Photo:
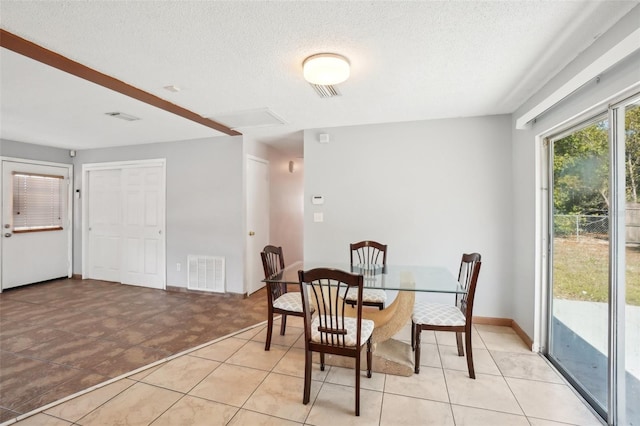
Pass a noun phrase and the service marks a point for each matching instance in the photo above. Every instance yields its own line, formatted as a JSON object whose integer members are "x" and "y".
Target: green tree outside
{"x": 581, "y": 167}
{"x": 581, "y": 187}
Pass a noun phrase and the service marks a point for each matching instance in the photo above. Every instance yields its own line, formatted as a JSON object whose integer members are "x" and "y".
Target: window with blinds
{"x": 37, "y": 202}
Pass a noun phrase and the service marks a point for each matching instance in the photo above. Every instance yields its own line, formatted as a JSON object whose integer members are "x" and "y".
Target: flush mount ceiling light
{"x": 326, "y": 69}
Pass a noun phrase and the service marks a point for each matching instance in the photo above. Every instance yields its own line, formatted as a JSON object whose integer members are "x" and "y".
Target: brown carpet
{"x": 63, "y": 336}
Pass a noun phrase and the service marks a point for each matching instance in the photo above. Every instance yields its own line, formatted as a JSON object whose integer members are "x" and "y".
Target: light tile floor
{"x": 233, "y": 381}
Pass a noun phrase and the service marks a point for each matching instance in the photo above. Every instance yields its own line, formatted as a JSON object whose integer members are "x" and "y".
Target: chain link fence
{"x": 577, "y": 225}
{"x": 597, "y": 226}
{"x": 632, "y": 221}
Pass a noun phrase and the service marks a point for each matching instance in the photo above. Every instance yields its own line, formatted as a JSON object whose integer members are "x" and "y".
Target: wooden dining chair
{"x": 368, "y": 254}
{"x": 455, "y": 318}
{"x": 332, "y": 330}
{"x": 279, "y": 301}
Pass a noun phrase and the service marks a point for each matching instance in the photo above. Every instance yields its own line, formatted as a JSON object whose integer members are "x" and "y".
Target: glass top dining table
{"x": 391, "y": 277}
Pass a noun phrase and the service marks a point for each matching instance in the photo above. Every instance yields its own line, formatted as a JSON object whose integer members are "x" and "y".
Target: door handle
{"x": 251, "y": 233}
{"x": 8, "y": 234}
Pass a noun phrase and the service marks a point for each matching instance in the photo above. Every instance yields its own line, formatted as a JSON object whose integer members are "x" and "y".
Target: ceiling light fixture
{"x": 326, "y": 69}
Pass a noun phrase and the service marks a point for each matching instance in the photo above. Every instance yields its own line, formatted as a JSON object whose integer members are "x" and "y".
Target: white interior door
{"x": 105, "y": 228}
{"x": 125, "y": 221}
{"x": 257, "y": 220}
{"x": 142, "y": 227}
{"x": 42, "y": 252}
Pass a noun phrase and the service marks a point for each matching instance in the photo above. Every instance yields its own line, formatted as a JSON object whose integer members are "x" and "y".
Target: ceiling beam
{"x": 31, "y": 50}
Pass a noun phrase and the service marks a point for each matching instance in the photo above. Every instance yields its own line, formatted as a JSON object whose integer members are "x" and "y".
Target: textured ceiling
{"x": 410, "y": 61}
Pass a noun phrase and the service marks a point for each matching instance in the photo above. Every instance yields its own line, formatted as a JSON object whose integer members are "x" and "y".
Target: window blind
{"x": 37, "y": 202}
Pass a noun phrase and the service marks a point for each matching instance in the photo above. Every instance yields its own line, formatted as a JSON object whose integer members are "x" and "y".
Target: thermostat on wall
{"x": 317, "y": 199}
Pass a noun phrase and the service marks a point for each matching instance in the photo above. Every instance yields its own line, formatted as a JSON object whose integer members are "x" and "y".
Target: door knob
{"x": 8, "y": 234}
{"x": 251, "y": 233}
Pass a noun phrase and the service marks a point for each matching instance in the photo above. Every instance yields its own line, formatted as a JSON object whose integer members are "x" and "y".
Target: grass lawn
{"x": 580, "y": 270}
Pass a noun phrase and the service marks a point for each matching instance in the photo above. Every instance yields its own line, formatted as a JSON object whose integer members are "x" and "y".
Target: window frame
{"x": 59, "y": 207}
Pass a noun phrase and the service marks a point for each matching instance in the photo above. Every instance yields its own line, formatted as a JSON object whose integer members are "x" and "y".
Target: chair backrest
{"x": 320, "y": 288}
{"x": 272, "y": 263}
{"x": 272, "y": 260}
{"x": 468, "y": 278}
{"x": 368, "y": 253}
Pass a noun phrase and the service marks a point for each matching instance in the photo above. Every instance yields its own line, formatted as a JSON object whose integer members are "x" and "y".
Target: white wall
{"x": 431, "y": 190}
{"x": 29, "y": 151}
{"x": 287, "y": 210}
{"x": 205, "y": 202}
{"x": 526, "y": 170}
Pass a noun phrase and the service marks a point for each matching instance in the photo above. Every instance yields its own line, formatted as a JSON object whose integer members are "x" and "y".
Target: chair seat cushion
{"x": 289, "y": 302}
{"x": 350, "y": 324}
{"x": 437, "y": 314}
{"x": 368, "y": 295}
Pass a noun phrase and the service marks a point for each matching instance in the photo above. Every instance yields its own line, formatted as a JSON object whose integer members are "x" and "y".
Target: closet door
{"x": 125, "y": 225}
{"x": 142, "y": 227}
{"x": 105, "y": 228}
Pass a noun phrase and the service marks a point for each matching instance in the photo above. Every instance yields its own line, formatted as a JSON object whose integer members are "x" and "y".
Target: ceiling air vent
{"x": 258, "y": 117}
{"x": 122, "y": 116}
{"x": 325, "y": 91}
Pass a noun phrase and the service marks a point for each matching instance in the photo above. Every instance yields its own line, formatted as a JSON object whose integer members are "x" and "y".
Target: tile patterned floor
{"x": 63, "y": 336}
{"x": 233, "y": 381}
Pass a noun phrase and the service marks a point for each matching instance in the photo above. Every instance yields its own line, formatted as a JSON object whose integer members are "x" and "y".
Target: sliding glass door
{"x": 580, "y": 260}
{"x": 594, "y": 263}
{"x": 631, "y": 371}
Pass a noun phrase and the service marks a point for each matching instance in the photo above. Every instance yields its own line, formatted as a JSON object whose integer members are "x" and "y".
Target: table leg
{"x": 390, "y": 356}
{"x": 391, "y": 319}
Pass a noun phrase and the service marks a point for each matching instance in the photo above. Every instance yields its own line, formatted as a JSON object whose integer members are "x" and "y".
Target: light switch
{"x": 318, "y": 217}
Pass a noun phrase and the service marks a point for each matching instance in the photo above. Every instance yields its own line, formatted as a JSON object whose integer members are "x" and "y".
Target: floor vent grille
{"x": 206, "y": 273}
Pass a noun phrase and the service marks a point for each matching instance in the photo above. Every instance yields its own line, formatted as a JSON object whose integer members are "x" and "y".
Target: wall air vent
{"x": 325, "y": 91}
{"x": 122, "y": 116}
{"x": 206, "y": 273}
